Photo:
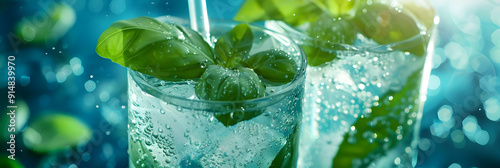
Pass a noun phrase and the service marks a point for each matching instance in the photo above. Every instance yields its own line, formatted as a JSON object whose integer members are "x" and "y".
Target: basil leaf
{"x": 54, "y": 132}
{"x": 274, "y": 66}
{"x": 166, "y": 51}
{"x": 387, "y": 25}
{"x": 288, "y": 154}
{"x": 324, "y": 32}
{"x": 222, "y": 84}
{"x": 384, "y": 121}
{"x": 233, "y": 46}
{"x": 60, "y": 17}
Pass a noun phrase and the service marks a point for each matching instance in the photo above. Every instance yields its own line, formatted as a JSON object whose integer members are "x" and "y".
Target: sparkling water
{"x": 170, "y": 127}
{"x": 339, "y": 93}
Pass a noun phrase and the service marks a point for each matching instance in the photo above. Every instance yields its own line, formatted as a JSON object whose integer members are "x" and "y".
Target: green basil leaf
{"x": 384, "y": 121}
{"x": 21, "y": 114}
{"x": 6, "y": 162}
{"x": 54, "y": 132}
{"x": 324, "y": 32}
{"x": 234, "y": 45}
{"x": 274, "y": 66}
{"x": 387, "y": 25}
{"x": 166, "y": 51}
{"x": 222, "y": 84}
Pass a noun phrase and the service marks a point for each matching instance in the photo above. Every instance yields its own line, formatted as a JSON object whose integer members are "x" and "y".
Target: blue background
{"x": 460, "y": 125}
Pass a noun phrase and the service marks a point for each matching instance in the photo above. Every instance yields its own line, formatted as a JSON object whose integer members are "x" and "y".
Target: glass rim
{"x": 297, "y": 82}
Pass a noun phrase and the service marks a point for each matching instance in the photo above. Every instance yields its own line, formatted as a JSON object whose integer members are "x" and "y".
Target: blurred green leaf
{"x": 22, "y": 113}
{"x": 221, "y": 84}
{"x": 325, "y": 32}
{"x": 54, "y": 132}
{"x": 294, "y": 12}
{"x": 9, "y": 163}
{"x": 137, "y": 152}
{"x": 233, "y": 46}
{"x": 383, "y": 121}
{"x": 60, "y": 18}
{"x": 274, "y": 66}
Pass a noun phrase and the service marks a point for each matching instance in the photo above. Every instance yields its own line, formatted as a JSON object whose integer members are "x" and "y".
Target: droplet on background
{"x": 117, "y": 6}
{"x": 470, "y": 124}
{"x": 76, "y": 66}
{"x": 445, "y": 113}
{"x": 61, "y": 77}
{"x": 457, "y": 136}
{"x": 495, "y": 37}
{"x": 104, "y": 96}
{"x": 90, "y": 85}
{"x": 482, "y": 137}
{"x": 494, "y": 54}
{"x": 455, "y": 165}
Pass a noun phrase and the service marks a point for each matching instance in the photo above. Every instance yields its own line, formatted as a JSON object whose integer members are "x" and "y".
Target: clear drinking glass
{"x": 363, "y": 109}
{"x": 170, "y": 127}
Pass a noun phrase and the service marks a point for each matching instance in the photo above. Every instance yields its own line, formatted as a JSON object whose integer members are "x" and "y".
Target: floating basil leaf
{"x": 384, "y": 121}
{"x": 233, "y": 46}
{"x": 287, "y": 154}
{"x": 273, "y": 65}
{"x": 222, "y": 84}
{"x": 325, "y": 32}
{"x": 166, "y": 51}
{"x": 387, "y": 25}
{"x": 55, "y": 132}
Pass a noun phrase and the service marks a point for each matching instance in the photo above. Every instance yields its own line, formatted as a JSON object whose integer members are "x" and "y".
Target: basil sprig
{"x": 171, "y": 52}
{"x": 166, "y": 51}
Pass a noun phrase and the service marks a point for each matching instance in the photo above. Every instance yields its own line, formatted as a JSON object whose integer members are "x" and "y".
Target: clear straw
{"x": 199, "y": 18}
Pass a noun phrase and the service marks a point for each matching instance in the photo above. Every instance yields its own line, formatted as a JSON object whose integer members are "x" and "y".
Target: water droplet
{"x": 162, "y": 111}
